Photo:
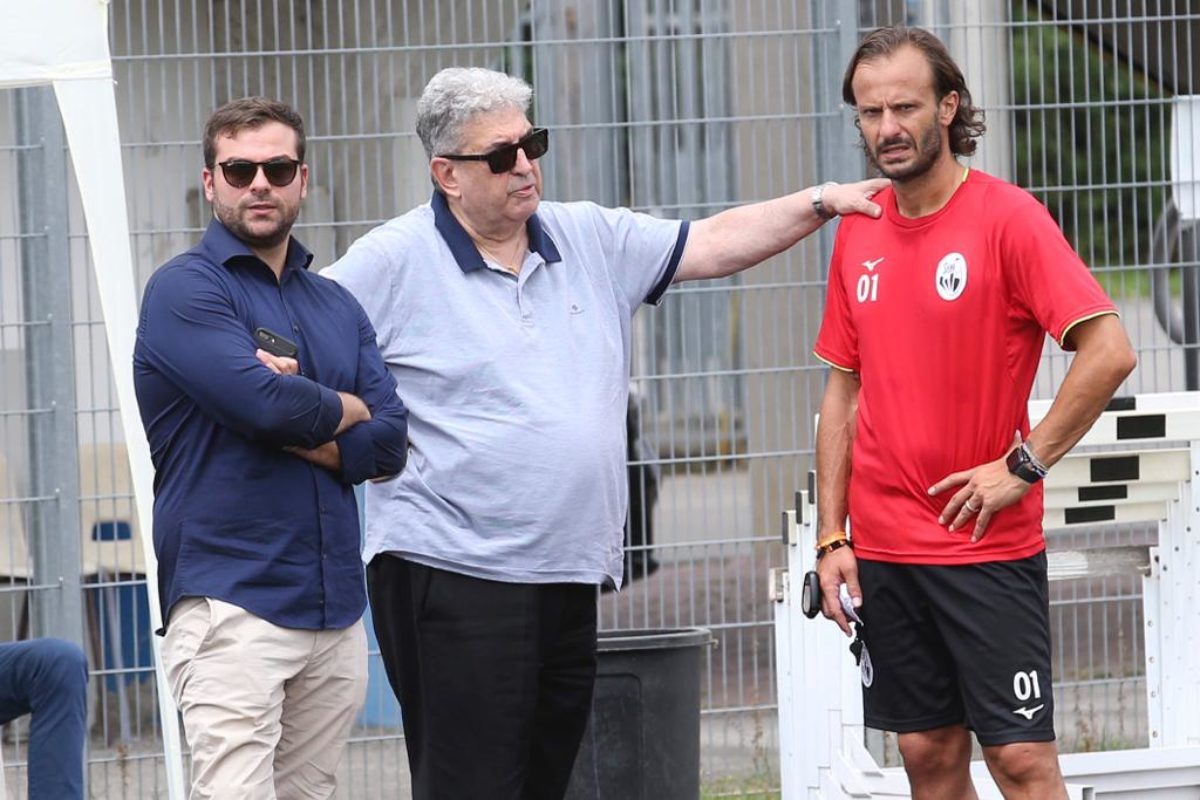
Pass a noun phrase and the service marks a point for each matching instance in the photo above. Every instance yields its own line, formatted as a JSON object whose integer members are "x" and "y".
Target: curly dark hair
{"x": 249, "y": 113}
{"x": 968, "y": 124}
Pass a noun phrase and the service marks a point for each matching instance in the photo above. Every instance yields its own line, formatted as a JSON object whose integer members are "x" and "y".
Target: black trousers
{"x": 494, "y": 679}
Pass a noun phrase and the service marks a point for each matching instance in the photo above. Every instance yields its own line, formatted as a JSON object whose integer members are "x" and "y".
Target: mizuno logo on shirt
{"x": 1028, "y": 713}
{"x": 870, "y": 265}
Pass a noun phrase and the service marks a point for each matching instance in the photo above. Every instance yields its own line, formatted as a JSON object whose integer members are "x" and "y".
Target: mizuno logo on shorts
{"x": 1028, "y": 713}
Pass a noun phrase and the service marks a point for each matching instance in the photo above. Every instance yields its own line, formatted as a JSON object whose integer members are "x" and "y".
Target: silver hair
{"x": 457, "y": 94}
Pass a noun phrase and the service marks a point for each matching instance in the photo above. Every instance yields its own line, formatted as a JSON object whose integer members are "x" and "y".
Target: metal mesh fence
{"x": 677, "y": 107}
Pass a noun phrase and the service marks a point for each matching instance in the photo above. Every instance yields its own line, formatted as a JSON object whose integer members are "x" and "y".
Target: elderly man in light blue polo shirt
{"x": 507, "y": 324}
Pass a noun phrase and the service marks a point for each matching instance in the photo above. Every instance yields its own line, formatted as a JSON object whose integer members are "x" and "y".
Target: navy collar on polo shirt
{"x": 464, "y": 249}
{"x": 224, "y": 247}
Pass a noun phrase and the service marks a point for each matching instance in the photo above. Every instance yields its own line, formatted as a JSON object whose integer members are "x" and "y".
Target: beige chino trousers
{"x": 266, "y": 709}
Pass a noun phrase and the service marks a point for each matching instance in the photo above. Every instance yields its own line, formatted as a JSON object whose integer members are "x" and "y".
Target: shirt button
{"x": 296, "y": 328}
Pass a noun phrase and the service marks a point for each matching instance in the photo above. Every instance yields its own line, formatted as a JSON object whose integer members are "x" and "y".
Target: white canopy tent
{"x": 64, "y": 44}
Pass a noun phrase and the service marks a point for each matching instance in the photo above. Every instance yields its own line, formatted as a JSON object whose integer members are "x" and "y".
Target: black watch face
{"x": 1018, "y": 464}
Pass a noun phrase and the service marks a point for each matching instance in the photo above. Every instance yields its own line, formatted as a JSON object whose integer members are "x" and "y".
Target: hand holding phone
{"x": 810, "y": 598}
{"x": 276, "y": 344}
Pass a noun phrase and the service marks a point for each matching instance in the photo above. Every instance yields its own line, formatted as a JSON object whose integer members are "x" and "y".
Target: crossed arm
{"x": 354, "y": 411}
{"x": 191, "y": 334}
{"x": 374, "y": 426}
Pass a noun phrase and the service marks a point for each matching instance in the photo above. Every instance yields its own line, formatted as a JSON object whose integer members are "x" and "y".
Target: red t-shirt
{"x": 943, "y": 318}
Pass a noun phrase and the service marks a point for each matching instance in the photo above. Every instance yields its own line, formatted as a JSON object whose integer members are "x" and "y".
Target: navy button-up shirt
{"x": 236, "y": 516}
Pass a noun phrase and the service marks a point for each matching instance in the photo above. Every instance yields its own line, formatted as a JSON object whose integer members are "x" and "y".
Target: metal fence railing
{"x": 678, "y": 107}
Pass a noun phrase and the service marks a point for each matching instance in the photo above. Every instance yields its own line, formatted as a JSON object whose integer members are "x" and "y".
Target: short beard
{"x": 929, "y": 148}
{"x": 230, "y": 218}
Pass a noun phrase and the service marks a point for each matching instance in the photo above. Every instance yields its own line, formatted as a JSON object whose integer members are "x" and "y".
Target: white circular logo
{"x": 868, "y": 669}
{"x": 951, "y": 276}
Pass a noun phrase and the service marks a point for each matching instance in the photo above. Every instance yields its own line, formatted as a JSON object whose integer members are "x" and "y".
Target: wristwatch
{"x": 818, "y": 203}
{"x": 1022, "y": 463}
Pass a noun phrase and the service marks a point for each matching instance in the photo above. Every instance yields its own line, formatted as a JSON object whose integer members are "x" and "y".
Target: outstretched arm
{"x": 741, "y": 237}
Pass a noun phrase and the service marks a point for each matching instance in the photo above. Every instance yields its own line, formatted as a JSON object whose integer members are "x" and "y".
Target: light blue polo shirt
{"x": 516, "y": 387}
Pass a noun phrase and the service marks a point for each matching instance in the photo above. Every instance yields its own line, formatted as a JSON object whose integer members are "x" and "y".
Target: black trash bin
{"x": 643, "y": 740}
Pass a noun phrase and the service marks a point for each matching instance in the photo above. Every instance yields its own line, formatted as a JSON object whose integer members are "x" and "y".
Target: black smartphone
{"x": 810, "y": 595}
{"x": 275, "y": 344}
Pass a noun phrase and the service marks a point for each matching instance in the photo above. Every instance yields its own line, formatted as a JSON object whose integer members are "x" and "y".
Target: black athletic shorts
{"x": 964, "y": 644}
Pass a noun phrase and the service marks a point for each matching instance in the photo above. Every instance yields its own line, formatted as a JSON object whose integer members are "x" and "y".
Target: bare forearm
{"x": 1103, "y": 359}
{"x": 327, "y": 455}
{"x": 741, "y": 237}
{"x": 354, "y": 411}
{"x": 835, "y": 440}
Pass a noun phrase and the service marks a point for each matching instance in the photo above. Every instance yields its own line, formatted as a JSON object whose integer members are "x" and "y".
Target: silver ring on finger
{"x": 967, "y": 505}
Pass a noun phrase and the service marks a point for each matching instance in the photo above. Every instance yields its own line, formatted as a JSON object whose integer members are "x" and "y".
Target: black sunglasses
{"x": 504, "y": 158}
{"x": 240, "y": 173}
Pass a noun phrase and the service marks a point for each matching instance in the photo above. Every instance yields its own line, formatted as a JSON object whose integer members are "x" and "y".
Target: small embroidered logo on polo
{"x": 576, "y": 308}
{"x": 951, "y": 276}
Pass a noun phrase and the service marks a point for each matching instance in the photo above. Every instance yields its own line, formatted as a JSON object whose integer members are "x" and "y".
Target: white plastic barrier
{"x": 1122, "y": 472}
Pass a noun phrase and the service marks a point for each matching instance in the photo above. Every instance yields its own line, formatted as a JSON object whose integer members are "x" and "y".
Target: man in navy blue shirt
{"x": 256, "y": 447}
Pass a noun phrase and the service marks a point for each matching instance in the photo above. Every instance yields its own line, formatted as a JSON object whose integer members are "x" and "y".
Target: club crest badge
{"x": 951, "y": 276}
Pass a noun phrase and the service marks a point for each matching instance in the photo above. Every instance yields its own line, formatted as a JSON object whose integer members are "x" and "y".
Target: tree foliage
{"x": 1091, "y": 140}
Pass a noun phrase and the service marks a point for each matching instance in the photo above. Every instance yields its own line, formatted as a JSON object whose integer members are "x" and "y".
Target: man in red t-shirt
{"x": 934, "y": 324}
